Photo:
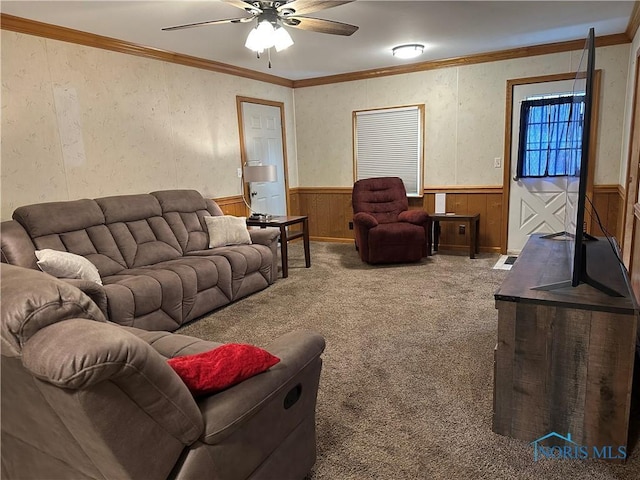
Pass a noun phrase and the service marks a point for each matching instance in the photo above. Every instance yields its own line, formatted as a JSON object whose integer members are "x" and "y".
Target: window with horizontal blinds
{"x": 388, "y": 143}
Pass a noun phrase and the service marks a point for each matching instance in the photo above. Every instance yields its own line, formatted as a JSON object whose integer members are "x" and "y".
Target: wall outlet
{"x": 497, "y": 162}
{"x": 239, "y": 173}
{"x": 350, "y": 225}
{"x": 461, "y": 229}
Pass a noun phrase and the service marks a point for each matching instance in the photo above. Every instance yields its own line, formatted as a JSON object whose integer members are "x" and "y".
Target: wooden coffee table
{"x": 285, "y": 237}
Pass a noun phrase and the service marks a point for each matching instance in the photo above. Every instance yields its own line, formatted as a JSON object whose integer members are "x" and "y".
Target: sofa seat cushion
{"x": 145, "y": 298}
{"x": 250, "y": 266}
{"x": 396, "y": 242}
{"x": 206, "y": 281}
{"x": 396, "y": 233}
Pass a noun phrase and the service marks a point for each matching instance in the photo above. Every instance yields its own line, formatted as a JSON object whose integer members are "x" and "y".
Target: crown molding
{"x": 54, "y": 32}
{"x": 64, "y": 34}
{"x": 604, "y": 41}
{"x": 634, "y": 21}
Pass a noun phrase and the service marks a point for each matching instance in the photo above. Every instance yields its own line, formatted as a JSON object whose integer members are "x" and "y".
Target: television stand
{"x": 564, "y": 358}
{"x": 601, "y": 258}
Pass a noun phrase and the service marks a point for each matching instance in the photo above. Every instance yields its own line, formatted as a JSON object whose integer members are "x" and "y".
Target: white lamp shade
{"x": 253, "y": 41}
{"x": 266, "y": 34}
{"x": 260, "y": 173}
{"x": 261, "y": 37}
{"x": 282, "y": 39}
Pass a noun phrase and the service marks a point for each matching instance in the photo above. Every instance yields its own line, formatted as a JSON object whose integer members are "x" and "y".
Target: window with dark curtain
{"x": 550, "y": 136}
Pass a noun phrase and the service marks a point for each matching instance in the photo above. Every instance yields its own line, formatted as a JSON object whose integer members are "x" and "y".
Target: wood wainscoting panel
{"x": 232, "y": 205}
{"x": 634, "y": 265}
{"x": 608, "y": 202}
{"x": 469, "y": 200}
{"x": 329, "y": 211}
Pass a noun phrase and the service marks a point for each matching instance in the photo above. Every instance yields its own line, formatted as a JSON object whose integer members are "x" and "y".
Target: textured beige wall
{"x": 626, "y": 142}
{"x": 84, "y": 122}
{"x": 464, "y": 118}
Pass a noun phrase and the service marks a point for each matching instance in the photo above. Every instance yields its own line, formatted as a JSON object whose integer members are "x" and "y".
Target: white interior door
{"x": 263, "y": 142}
{"x": 536, "y": 205}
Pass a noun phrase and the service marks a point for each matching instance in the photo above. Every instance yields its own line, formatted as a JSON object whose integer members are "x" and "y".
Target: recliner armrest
{"x": 418, "y": 217}
{"x": 78, "y": 354}
{"x": 365, "y": 220}
{"x": 94, "y": 291}
{"x": 226, "y": 411}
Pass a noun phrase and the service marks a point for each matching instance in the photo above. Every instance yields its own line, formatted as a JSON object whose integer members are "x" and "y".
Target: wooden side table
{"x": 285, "y": 237}
{"x": 473, "y": 222}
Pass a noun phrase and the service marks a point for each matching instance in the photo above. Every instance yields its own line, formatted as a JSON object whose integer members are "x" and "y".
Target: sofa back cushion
{"x": 142, "y": 235}
{"x": 184, "y": 211}
{"x": 73, "y": 226}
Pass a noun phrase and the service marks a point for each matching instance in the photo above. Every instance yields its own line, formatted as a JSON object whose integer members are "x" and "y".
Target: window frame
{"x": 524, "y": 128}
{"x": 384, "y": 170}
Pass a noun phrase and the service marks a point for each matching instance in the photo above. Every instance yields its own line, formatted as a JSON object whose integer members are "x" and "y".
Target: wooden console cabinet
{"x": 564, "y": 358}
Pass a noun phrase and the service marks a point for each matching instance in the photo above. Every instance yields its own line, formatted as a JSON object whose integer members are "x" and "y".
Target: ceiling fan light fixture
{"x": 411, "y": 50}
{"x": 282, "y": 39}
{"x": 261, "y": 37}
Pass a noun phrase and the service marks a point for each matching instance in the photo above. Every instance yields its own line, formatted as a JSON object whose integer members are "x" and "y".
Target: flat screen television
{"x": 579, "y": 130}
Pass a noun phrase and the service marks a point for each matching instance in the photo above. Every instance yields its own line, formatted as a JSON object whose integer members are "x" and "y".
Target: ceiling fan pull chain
{"x": 269, "y": 54}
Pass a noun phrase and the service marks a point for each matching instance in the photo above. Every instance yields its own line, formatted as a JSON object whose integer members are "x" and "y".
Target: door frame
{"x": 628, "y": 224}
{"x": 243, "y": 148}
{"x": 508, "y": 131}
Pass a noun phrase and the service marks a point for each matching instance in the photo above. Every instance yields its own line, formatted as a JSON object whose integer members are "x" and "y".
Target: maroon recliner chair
{"x": 386, "y": 230}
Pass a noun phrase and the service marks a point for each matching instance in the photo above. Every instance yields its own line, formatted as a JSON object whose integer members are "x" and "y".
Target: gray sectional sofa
{"x": 86, "y": 398}
{"x": 151, "y": 252}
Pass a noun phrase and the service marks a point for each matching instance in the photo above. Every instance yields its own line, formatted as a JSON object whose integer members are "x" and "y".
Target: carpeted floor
{"x": 407, "y": 384}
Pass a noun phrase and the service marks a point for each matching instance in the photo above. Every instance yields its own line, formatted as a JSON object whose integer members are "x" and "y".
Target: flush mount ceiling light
{"x": 411, "y": 50}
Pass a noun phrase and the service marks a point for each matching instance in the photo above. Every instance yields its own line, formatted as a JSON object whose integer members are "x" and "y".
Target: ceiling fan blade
{"x": 321, "y": 26}
{"x": 304, "y": 7}
{"x": 248, "y": 5}
{"x": 212, "y": 22}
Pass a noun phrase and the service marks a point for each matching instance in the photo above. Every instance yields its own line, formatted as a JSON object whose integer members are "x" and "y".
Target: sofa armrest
{"x": 94, "y": 291}
{"x": 16, "y": 246}
{"x": 269, "y": 237}
{"x": 265, "y": 236}
{"x": 33, "y": 300}
{"x": 365, "y": 220}
{"x": 417, "y": 217}
{"x": 227, "y": 411}
{"x": 77, "y": 354}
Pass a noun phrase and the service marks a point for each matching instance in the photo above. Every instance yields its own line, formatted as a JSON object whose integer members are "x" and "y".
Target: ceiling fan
{"x": 272, "y": 16}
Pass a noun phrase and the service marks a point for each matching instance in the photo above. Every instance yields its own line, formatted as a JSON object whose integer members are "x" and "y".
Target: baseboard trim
{"x": 465, "y": 248}
{"x": 332, "y": 239}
